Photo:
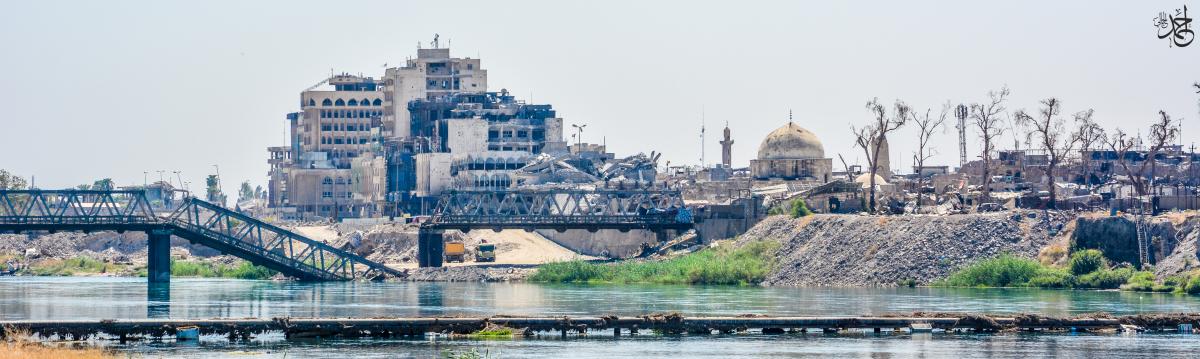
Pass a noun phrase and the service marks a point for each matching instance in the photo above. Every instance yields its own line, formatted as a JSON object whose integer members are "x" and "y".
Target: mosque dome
{"x": 791, "y": 142}
{"x": 865, "y": 180}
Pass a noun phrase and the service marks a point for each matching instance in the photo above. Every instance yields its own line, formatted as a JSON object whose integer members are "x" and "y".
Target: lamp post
{"x": 579, "y": 130}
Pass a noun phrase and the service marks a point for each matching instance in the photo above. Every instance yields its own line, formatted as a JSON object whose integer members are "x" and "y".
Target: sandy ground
{"x": 320, "y": 233}
{"x": 514, "y": 247}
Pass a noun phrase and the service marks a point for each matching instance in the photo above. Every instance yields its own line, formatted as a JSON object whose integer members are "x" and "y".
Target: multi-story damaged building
{"x": 385, "y": 147}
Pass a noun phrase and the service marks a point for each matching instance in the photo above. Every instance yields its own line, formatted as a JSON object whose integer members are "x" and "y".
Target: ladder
{"x": 1143, "y": 240}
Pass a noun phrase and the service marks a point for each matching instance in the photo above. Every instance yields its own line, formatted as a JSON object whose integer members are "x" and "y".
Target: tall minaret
{"x": 885, "y": 162}
{"x": 727, "y": 148}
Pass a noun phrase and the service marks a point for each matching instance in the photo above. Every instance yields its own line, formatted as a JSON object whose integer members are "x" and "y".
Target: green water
{"x": 123, "y": 298}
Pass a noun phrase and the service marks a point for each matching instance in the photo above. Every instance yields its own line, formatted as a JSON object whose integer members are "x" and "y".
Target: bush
{"x": 1087, "y": 261}
{"x": 1193, "y": 285}
{"x": 1140, "y": 282}
{"x": 1105, "y": 278}
{"x": 243, "y": 270}
{"x": 745, "y": 265}
{"x": 1003, "y": 271}
{"x": 799, "y": 208}
{"x": 72, "y": 266}
{"x": 1052, "y": 278}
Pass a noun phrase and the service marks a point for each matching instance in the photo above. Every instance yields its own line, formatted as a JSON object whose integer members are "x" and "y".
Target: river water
{"x": 127, "y": 298}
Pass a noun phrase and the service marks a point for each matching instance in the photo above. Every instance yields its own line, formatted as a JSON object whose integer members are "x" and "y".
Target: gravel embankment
{"x": 851, "y": 250}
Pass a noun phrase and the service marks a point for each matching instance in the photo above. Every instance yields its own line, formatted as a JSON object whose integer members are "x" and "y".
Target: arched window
{"x": 327, "y": 180}
{"x": 326, "y": 102}
{"x": 311, "y": 102}
{"x": 339, "y": 102}
{"x": 353, "y": 102}
{"x": 364, "y": 102}
{"x": 341, "y": 180}
{"x": 377, "y": 102}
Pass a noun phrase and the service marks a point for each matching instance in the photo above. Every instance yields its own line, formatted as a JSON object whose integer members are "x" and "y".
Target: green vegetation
{"x": 1087, "y": 269}
{"x": 73, "y": 266}
{"x": 9, "y": 180}
{"x": 1086, "y": 261}
{"x": 796, "y": 208}
{"x": 799, "y": 208}
{"x": 493, "y": 332}
{"x": 724, "y": 265}
{"x": 243, "y": 270}
{"x": 1004, "y": 271}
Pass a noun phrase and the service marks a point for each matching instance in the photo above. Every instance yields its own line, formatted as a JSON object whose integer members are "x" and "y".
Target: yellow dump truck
{"x": 487, "y": 253}
{"x": 455, "y": 252}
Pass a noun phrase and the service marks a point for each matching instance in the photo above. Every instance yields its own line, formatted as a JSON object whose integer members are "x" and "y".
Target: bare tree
{"x": 1050, "y": 132}
{"x": 1162, "y": 132}
{"x": 926, "y": 125}
{"x": 870, "y": 138}
{"x": 1120, "y": 144}
{"x": 987, "y": 120}
{"x": 1090, "y": 135}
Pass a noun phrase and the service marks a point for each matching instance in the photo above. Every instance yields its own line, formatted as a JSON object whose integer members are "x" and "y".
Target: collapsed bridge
{"x": 197, "y": 221}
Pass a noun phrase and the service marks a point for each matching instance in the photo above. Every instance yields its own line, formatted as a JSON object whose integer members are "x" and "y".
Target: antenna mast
{"x": 961, "y": 114}
{"x": 702, "y": 147}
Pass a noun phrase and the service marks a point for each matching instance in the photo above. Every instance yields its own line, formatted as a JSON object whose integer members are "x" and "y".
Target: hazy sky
{"x": 97, "y": 89}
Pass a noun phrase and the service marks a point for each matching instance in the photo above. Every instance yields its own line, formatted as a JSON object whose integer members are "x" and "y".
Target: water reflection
{"x": 117, "y": 298}
{"x": 158, "y": 300}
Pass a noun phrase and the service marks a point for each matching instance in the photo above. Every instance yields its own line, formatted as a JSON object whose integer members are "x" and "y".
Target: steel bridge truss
{"x": 561, "y": 209}
{"x": 276, "y": 248}
{"x": 197, "y": 221}
{"x": 70, "y": 210}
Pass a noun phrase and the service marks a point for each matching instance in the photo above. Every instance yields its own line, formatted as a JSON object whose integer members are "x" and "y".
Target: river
{"x": 127, "y": 298}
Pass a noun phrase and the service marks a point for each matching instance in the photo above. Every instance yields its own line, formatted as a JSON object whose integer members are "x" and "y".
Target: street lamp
{"x": 579, "y": 130}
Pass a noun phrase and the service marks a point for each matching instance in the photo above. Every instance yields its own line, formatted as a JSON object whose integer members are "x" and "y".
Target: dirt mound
{"x": 855, "y": 250}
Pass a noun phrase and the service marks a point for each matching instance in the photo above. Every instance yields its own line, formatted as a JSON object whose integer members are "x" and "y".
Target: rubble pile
{"x": 850, "y": 250}
{"x": 111, "y": 247}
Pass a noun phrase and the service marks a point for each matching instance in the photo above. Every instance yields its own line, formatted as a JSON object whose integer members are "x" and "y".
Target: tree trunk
{"x": 1053, "y": 203}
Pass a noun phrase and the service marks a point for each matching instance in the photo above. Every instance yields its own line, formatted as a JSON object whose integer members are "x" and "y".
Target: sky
{"x": 126, "y": 89}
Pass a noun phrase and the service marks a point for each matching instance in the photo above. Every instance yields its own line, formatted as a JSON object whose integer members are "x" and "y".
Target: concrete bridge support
{"x": 429, "y": 248}
{"x": 158, "y": 268}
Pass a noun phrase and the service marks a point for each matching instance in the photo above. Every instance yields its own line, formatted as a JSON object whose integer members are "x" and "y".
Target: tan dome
{"x": 865, "y": 180}
{"x": 791, "y": 142}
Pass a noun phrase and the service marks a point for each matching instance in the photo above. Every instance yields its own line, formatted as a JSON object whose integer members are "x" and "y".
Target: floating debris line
{"x": 668, "y": 324}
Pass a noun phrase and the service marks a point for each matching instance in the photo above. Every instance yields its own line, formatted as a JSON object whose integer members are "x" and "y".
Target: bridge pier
{"x": 158, "y": 267}
{"x": 429, "y": 248}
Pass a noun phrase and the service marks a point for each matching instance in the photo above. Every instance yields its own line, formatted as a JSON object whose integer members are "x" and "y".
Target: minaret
{"x": 884, "y": 160}
{"x": 727, "y": 148}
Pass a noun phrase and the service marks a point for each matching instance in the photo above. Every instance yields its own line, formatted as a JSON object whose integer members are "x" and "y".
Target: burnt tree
{"x": 987, "y": 121}
{"x": 1050, "y": 132}
{"x": 870, "y": 138}
{"x": 926, "y": 125}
